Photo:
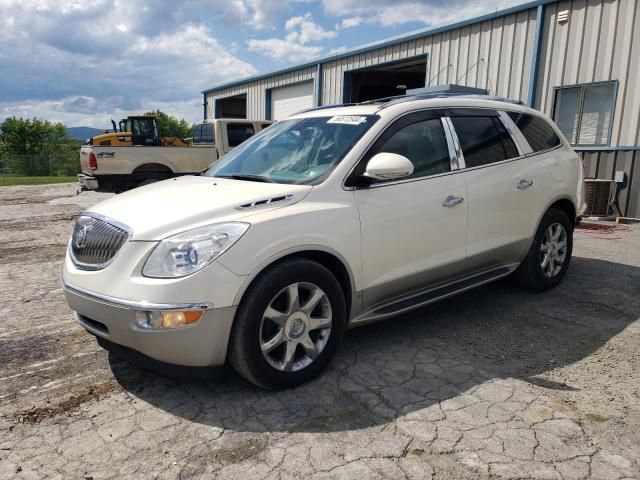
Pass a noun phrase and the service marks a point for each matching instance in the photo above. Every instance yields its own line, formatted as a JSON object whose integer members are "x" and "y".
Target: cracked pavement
{"x": 498, "y": 382}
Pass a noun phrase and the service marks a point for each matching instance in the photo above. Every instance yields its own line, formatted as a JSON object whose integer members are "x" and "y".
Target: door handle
{"x": 452, "y": 201}
{"x": 524, "y": 184}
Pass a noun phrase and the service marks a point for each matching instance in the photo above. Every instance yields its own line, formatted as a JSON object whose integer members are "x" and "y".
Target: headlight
{"x": 190, "y": 251}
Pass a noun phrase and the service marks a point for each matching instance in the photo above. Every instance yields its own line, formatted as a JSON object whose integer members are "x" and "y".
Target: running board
{"x": 417, "y": 300}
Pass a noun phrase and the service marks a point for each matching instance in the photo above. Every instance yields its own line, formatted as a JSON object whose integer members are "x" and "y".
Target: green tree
{"x": 37, "y": 147}
{"x": 170, "y": 126}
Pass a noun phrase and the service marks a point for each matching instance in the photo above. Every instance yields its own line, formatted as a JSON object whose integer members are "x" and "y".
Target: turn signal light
{"x": 170, "y": 319}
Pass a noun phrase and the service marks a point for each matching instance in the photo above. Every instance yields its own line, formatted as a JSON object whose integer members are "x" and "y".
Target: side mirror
{"x": 388, "y": 166}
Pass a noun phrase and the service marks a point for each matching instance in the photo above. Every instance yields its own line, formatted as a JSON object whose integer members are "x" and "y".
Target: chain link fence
{"x": 55, "y": 167}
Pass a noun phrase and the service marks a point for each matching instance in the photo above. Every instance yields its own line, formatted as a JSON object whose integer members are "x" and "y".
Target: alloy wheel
{"x": 295, "y": 327}
{"x": 553, "y": 250}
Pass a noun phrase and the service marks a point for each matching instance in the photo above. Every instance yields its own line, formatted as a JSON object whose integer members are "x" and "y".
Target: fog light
{"x": 170, "y": 319}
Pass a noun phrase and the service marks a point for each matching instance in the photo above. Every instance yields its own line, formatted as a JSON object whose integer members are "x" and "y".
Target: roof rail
{"x": 386, "y": 102}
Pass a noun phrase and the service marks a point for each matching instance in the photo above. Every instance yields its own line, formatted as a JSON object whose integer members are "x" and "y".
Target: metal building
{"x": 576, "y": 60}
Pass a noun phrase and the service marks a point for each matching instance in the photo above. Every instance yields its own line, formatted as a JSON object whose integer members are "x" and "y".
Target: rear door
{"x": 413, "y": 229}
{"x": 505, "y": 187}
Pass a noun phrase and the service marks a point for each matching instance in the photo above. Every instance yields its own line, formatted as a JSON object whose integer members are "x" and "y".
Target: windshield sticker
{"x": 347, "y": 119}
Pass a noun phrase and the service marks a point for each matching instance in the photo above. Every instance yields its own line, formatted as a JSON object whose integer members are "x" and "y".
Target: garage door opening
{"x": 386, "y": 80}
{"x": 232, "y": 107}
{"x": 290, "y": 99}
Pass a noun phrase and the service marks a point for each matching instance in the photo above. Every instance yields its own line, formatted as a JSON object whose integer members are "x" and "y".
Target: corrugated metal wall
{"x": 601, "y": 41}
{"x": 605, "y": 164}
{"x": 495, "y": 54}
{"x": 256, "y": 91}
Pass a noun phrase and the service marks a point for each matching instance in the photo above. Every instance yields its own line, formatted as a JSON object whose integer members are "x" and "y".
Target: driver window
{"x": 424, "y": 144}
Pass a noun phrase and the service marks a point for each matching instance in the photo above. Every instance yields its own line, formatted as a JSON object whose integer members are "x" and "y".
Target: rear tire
{"x": 288, "y": 326}
{"x": 148, "y": 181}
{"x": 549, "y": 257}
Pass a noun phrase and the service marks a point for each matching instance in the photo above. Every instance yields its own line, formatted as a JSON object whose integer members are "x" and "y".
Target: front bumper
{"x": 203, "y": 343}
{"x": 87, "y": 182}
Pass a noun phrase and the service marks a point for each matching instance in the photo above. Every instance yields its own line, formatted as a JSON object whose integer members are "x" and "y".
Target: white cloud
{"x": 301, "y": 31}
{"x": 282, "y": 50}
{"x": 58, "y": 61}
{"x": 338, "y": 50}
{"x": 429, "y": 12}
{"x": 93, "y": 112}
{"x": 349, "y": 22}
{"x": 265, "y": 13}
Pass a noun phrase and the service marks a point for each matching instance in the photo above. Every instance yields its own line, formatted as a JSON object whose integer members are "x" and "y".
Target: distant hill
{"x": 83, "y": 133}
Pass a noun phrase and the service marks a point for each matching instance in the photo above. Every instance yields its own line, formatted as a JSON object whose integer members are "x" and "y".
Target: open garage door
{"x": 232, "y": 107}
{"x": 288, "y": 100}
{"x": 384, "y": 80}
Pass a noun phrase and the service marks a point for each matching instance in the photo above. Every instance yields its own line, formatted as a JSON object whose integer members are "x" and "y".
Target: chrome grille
{"x": 95, "y": 242}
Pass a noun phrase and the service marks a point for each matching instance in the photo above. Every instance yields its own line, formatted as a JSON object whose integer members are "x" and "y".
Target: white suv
{"x": 331, "y": 219}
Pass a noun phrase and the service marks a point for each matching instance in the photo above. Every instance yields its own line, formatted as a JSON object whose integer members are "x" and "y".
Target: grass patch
{"x": 6, "y": 181}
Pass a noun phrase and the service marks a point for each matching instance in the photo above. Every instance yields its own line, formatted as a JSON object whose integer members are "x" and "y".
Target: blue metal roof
{"x": 426, "y": 32}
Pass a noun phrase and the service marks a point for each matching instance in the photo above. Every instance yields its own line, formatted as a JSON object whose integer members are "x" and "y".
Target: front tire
{"x": 289, "y": 325}
{"x": 549, "y": 257}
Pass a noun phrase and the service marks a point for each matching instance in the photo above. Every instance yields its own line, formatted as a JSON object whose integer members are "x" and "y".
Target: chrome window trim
{"x": 456, "y": 144}
{"x": 101, "y": 266}
{"x": 130, "y": 304}
{"x": 516, "y": 134}
{"x": 453, "y": 153}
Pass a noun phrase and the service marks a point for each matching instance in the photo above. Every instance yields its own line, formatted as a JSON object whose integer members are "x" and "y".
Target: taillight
{"x": 93, "y": 162}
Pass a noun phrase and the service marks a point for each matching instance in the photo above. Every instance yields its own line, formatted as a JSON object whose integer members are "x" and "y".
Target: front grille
{"x": 95, "y": 242}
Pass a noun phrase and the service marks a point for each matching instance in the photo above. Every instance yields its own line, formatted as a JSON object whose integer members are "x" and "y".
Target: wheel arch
{"x": 566, "y": 205}
{"x": 152, "y": 167}
{"x": 326, "y": 257}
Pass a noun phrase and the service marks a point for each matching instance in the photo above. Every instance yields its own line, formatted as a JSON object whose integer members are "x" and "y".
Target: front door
{"x": 413, "y": 229}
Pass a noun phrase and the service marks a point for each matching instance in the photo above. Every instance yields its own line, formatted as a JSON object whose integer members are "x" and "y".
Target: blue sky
{"x": 83, "y": 62}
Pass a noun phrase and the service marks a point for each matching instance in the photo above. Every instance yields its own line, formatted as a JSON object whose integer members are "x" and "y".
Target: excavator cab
{"x": 143, "y": 130}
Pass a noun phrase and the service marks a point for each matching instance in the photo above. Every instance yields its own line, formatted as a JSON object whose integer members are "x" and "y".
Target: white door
{"x": 504, "y": 191}
{"x": 286, "y": 101}
{"x": 411, "y": 236}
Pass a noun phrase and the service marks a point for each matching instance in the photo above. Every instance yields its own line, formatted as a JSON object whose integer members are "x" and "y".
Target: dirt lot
{"x": 498, "y": 382}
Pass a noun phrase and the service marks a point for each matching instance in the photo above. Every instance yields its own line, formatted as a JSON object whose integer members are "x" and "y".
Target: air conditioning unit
{"x": 599, "y": 194}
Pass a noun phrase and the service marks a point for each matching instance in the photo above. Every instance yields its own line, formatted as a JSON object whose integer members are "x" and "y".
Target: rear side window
{"x": 203, "y": 133}
{"x": 239, "y": 132}
{"x": 483, "y": 140}
{"x": 536, "y": 130}
{"x": 425, "y": 144}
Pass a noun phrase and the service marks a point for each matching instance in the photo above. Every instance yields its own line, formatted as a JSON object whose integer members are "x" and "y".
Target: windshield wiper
{"x": 250, "y": 178}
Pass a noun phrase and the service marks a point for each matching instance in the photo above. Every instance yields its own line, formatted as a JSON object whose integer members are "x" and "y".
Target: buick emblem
{"x": 81, "y": 237}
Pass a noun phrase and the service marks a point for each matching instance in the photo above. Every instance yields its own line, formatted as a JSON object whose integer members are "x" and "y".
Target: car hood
{"x": 164, "y": 208}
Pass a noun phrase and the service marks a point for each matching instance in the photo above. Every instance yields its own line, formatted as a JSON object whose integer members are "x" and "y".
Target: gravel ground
{"x": 496, "y": 383}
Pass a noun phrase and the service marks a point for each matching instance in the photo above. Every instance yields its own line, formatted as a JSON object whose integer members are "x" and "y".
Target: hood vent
{"x": 265, "y": 202}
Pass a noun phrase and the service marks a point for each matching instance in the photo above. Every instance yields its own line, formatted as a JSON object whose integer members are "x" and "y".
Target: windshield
{"x": 299, "y": 151}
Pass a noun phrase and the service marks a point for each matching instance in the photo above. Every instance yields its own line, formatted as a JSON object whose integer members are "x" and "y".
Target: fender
{"x": 290, "y": 251}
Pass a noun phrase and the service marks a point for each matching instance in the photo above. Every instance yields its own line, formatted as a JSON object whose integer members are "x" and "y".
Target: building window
{"x": 584, "y": 113}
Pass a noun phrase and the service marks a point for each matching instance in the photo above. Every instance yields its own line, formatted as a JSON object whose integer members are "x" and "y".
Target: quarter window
{"x": 425, "y": 144}
{"x": 536, "y": 131}
{"x": 239, "y": 132}
{"x": 483, "y": 140}
{"x": 584, "y": 113}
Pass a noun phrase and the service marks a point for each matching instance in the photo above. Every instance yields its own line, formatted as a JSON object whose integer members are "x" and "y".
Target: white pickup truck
{"x": 116, "y": 168}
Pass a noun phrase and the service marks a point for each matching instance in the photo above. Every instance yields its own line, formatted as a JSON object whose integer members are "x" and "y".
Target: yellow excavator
{"x": 136, "y": 130}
